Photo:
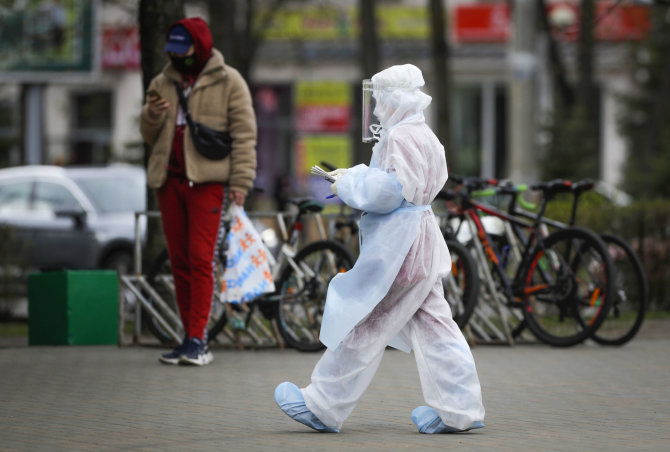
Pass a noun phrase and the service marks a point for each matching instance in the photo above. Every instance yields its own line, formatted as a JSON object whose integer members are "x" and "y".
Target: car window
{"x": 114, "y": 193}
{"x": 15, "y": 197}
{"x": 54, "y": 197}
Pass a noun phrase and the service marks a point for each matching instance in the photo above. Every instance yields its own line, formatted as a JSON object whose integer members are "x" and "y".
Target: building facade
{"x": 306, "y": 87}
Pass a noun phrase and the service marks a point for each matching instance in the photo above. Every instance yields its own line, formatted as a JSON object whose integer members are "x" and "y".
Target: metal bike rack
{"x": 138, "y": 286}
{"x": 241, "y": 322}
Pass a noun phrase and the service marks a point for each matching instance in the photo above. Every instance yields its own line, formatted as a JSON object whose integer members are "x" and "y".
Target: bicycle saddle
{"x": 308, "y": 205}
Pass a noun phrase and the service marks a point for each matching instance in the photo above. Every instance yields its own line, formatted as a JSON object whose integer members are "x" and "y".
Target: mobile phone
{"x": 153, "y": 93}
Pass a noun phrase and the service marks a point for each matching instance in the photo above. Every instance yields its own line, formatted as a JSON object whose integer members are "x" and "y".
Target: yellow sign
{"x": 334, "y": 149}
{"x": 402, "y": 22}
{"x": 332, "y": 23}
{"x": 321, "y": 93}
{"x": 310, "y": 23}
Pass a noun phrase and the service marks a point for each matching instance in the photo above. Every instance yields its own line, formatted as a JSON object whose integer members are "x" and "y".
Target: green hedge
{"x": 13, "y": 268}
{"x": 644, "y": 224}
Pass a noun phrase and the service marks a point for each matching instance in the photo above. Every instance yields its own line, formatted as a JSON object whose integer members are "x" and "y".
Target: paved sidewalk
{"x": 537, "y": 398}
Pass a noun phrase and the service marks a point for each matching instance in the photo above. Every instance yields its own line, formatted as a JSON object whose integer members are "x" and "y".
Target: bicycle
{"x": 460, "y": 286}
{"x": 301, "y": 279}
{"x": 631, "y": 294}
{"x": 344, "y": 228}
{"x": 561, "y": 283}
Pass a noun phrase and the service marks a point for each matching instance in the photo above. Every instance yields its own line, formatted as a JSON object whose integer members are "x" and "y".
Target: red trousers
{"x": 191, "y": 217}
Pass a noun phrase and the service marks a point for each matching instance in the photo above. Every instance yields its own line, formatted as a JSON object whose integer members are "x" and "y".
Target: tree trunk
{"x": 564, "y": 88}
{"x": 585, "y": 52}
{"x": 235, "y": 34}
{"x": 369, "y": 40}
{"x": 154, "y": 18}
{"x": 442, "y": 87}
{"x": 587, "y": 91}
{"x": 231, "y": 34}
{"x": 369, "y": 64}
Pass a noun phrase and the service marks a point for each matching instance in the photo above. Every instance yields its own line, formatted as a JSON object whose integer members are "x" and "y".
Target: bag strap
{"x": 184, "y": 108}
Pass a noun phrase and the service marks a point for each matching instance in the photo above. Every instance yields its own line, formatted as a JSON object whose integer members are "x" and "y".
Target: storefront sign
{"x": 614, "y": 22}
{"x": 487, "y": 22}
{"x": 121, "y": 48}
{"x": 331, "y": 23}
{"x": 312, "y": 149}
{"x": 491, "y": 22}
{"x": 322, "y": 106}
{"x": 40, "y": 39}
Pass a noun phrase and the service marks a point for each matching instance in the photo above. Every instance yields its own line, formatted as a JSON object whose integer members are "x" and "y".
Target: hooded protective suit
{"x": 393, "y": 295}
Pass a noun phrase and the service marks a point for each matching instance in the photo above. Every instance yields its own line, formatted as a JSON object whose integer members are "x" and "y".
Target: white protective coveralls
{"x": 393, "y": 295}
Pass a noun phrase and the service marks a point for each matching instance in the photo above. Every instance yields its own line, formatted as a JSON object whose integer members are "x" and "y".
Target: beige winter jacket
{"x": 219, "y": 99}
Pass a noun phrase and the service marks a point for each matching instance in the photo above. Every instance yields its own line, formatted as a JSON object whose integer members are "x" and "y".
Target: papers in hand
{"x": 318, "y": 171}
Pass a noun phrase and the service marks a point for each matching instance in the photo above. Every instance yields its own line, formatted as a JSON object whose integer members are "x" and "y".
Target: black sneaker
{"x": 173, "y": 356}
{"x": 196, "y": 353}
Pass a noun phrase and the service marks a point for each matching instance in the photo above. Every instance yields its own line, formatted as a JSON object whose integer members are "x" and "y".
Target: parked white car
{"x": 73, "y": 218}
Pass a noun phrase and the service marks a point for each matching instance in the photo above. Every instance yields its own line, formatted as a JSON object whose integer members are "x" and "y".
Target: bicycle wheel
{"x": 302, "y": 291}
{"x": 461, "y": 286}
{"x": 568, "y": 287}
{"x": 160, "y": 279}
{"x": 630, "y": 299}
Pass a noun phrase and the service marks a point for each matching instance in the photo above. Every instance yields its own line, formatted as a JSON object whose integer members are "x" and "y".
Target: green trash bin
{"x": 73, "y": 308}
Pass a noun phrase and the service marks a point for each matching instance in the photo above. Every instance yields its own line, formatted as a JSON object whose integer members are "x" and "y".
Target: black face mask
{"x": 183, "y": 64}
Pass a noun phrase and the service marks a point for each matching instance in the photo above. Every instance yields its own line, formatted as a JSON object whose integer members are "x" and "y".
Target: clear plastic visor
{"x": 370, "y": 121}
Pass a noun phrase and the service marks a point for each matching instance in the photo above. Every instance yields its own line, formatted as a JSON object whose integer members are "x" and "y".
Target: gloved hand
{"x": 338, "y": 173}
{"x": 333, "y": 186}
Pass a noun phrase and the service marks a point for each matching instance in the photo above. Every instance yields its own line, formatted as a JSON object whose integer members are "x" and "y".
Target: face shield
{"x": 371, "y": 125}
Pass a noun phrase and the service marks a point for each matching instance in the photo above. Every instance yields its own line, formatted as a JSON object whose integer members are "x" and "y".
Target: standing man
{"x": 190, "y": 186}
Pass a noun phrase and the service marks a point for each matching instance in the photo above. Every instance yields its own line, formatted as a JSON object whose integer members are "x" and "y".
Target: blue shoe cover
{"x": 289, "y": 398}
{"x": 428, "y": 421}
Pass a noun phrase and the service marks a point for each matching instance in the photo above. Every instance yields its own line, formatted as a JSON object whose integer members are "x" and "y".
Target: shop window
{"x": 478, "y": 144}
{"x": 465, "y": 150}
{"x": 272, "y": 104}
{"x": 91, "y": 127}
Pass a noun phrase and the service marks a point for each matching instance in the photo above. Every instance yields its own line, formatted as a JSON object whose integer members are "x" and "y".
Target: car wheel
{"x": 121, "y": 261}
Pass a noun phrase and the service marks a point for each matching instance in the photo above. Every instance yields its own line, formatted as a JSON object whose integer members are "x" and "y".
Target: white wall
{"x": 57, "y": 119}
{"x": 126, "y": 138}
{"x": 613, "y": 150}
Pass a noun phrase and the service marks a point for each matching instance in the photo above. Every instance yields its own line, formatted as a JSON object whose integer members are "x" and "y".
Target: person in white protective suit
{"x": 393, "y": 295}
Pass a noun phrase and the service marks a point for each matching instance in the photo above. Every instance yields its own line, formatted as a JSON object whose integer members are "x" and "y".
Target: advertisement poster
{"x": 322, "y": 106}
{"x": 312, "y": 150}
{"x": 322, "y": 117}
{"x": 46, "y": 36}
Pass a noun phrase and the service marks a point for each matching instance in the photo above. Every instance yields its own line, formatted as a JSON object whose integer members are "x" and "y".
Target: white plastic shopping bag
{"x": 247, "y": 274}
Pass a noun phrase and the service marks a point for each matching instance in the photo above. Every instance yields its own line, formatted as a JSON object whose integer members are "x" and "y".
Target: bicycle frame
{"x": 524, "y": 237}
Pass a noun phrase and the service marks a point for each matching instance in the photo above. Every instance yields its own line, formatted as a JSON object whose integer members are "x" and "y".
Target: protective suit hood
{"x": 398, "y": 95}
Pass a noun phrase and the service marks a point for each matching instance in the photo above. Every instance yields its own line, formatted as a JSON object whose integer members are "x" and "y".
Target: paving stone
{"x": 104, "y": 398}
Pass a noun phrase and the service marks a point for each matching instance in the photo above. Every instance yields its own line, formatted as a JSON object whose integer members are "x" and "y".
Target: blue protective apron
{"x": 385, "y": 241}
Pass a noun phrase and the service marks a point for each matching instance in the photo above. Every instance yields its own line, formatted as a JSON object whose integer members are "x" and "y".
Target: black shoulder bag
{"x": 210, "y": 143}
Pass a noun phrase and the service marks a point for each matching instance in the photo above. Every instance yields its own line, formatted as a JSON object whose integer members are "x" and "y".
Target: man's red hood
{"x": 202, "y": 39}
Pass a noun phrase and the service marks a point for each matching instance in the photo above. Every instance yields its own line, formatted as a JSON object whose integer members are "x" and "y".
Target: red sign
{"x": 614, "y": 22}
{"x": 121, "y": 48}
{"x": 488, "y": 22}
{"x": 491, "y": 22}
{"x": 323, "y": 118}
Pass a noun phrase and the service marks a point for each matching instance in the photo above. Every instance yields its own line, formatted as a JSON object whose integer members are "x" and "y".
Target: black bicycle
{"x": 629, "y": 303}
{"x": 296, "y": 307}
{"x": 558, "y": 286}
